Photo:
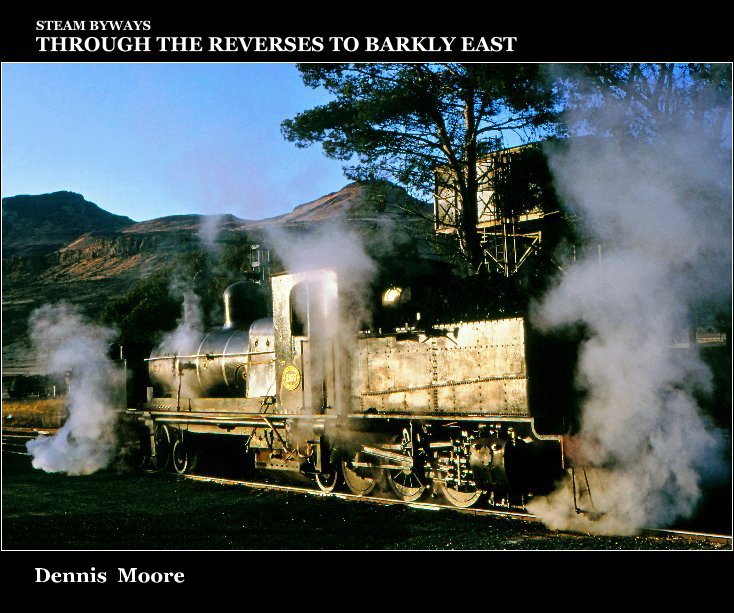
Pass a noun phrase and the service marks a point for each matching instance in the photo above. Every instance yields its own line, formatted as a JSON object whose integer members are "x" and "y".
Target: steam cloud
{"x": 338, "y": 247}
{"x": 64, "y": 341}
{"x": 335, "y": 246}
{"x": 209, "y": 229}
{"x": 184, "y": 339}
{"x": 660, "y": 207}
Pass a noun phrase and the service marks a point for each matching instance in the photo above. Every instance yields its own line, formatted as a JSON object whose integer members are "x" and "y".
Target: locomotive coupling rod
{"x": 403, "y": 460}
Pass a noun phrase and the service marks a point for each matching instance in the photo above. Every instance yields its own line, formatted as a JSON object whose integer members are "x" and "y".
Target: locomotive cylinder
{"x": 487, "y": 459}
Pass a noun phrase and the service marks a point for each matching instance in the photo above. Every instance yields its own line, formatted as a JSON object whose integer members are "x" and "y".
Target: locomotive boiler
{"x": 320, "y": 393}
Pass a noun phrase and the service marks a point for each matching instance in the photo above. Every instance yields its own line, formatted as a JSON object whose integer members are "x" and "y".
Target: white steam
{"x": 185, "y": 338}
{"x": 334, "y": 324}
{"x": 660, "y": 208}
{"x": 335, "y": 246}
{"x": 63, "y": 340}
{"x": 210, "y": 226}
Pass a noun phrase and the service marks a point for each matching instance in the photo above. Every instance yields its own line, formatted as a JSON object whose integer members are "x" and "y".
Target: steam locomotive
{"x": 403, "y": 400}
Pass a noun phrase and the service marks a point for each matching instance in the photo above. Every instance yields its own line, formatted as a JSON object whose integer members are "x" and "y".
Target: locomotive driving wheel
{"x": 328, "y": 482}
{"x": 405, "y": 483}
{"x": 139, "y": 454}
{"x": 463, "y": 496}
{"x": 184, "y": 457}
{"x": 360, "y": 481}
{"x": 330, "y": 477}
{"x": 162, "y": 457}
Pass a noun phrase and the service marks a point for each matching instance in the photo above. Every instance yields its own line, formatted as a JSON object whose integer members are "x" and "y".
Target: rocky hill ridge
{"x": 38, "y": 225}
{"x": 82, "y": 254}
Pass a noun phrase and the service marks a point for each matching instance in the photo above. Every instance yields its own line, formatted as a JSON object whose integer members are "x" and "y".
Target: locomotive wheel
{"x": 328, "y": 482}
{"x": 184, "y": 458}
{"x": 405, "y": 483}
{"x": 139, "y": 456}
{"x": 162, "y": 457}
{"x": 459, "y": 498}
{"x": 360, "y": 482}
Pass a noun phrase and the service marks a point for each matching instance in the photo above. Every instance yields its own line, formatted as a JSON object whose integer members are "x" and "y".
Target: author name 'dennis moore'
{"x": 124, "y": 575}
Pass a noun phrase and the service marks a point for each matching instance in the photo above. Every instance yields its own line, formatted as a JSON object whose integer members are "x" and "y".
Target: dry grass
{"x": 34, "y": 412}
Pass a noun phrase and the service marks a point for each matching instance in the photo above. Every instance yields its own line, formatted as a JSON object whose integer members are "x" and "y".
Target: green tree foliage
{"x": 153, "y": 305}
{"x": 234, "y": 254}
{"x": 145, "y": 311}
{"x": 403, "y": 121}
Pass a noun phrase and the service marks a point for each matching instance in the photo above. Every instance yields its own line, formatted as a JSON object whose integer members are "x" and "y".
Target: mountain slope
{"x": 62, "y": 247}
{"x": 38, "y": 225}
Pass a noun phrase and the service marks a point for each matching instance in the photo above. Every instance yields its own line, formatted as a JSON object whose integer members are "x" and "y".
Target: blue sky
{"x": 147, "y": 140}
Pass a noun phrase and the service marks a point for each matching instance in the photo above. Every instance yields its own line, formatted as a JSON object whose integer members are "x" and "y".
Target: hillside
{"x": 353, "y": 202}
{"x": 62, "y": 247}
{"x": 191, "y": 223}
{"x": 39, "y": 225}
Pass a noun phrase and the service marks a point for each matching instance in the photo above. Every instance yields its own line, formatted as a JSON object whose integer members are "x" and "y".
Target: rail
{"x": 10, "y": 444}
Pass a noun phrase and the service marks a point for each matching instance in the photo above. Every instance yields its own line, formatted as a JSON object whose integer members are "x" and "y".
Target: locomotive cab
{"x": 309, "y": 344}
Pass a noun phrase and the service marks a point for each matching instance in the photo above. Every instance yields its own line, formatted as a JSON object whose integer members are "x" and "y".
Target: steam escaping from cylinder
{"x": 657, "y": 214}
{"x": 63, "y": 340}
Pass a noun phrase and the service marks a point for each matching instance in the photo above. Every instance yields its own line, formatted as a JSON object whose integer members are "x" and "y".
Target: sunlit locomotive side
{"x": 445, "y": 408}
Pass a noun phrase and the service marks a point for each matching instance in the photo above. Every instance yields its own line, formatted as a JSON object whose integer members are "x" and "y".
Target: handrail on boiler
{"x": 208, "y": 356}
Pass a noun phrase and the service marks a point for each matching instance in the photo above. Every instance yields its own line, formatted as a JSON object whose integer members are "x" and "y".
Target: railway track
{"x": 379, "y": 500}
{"x": 430, "y": 506}
{"x": 14, "y": 439}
